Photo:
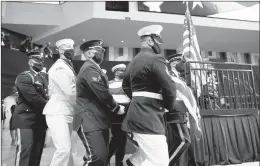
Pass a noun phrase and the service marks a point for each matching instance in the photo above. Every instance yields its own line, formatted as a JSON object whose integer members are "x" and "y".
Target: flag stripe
{"x": 191, "y": 52}
{"x": 185, "y": 94}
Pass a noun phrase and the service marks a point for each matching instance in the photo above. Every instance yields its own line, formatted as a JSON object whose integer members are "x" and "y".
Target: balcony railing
{"x": 225, "y": 88}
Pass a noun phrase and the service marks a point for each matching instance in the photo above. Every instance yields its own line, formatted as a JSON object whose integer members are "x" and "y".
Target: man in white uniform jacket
{"x": 59, "y": 110}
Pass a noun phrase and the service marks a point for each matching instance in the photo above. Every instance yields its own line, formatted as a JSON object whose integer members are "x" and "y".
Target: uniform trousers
{"x": 117, "y": 143}
{"x": 29, "y": 146}
{"x": 152, "y": 150}
{"x": 96, "y": 144}
{"x": 60, "y": 127}
{"x": 178, "y": 139}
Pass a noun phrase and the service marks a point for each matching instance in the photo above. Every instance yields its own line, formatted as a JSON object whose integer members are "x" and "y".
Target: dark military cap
{"x": 174, "y": 57}
{"x": 92, "y": 44}
{"x": 35, "y": 55}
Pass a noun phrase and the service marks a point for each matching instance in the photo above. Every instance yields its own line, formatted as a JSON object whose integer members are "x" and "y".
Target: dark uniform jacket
{"x": 94, "y": 102}
{"x": 33, "y": 95}
{"x": 147, "y": 72}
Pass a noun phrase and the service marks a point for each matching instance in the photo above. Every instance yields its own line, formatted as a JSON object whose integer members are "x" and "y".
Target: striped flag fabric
{"x": 185, "y": 100}
{"x": 191, "y": 52}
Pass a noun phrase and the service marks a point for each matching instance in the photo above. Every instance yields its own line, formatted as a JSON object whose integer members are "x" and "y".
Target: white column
{"x": 130, "y": 54}
{"x": 214, "y": 55}
{"x": 111, "y": 54}
{"x": 254, "y": 58}
{"x": 240, "y": 57}
{"x": 229, "y": 57}
{"x": 235, "y": 57}
{"x": 125, "y": 53}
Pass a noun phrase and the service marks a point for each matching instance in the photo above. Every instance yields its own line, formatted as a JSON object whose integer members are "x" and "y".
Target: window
{"x": 136, "y": 51}
{"x": 247, "y": 58}
{"x": 223, "y": 56}
{"x": 122, "y": 6}
{"x": 120, "y": 52}
{"x": 210, "y": 53}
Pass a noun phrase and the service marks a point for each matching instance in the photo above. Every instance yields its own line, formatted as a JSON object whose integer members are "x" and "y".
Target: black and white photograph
{"x": 130, "y": 83}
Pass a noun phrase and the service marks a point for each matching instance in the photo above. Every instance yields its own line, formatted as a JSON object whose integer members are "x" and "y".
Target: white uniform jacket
{"x": 61, "y": 89}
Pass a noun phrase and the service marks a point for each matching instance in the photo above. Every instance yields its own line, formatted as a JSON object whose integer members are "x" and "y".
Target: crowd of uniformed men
{"x": 135, "y": 101}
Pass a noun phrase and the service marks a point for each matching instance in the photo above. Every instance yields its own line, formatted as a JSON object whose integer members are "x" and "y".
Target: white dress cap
{"x": 152, "y": 29}
{"x": 68, "y": 42}
{"x": 118, "y": 67}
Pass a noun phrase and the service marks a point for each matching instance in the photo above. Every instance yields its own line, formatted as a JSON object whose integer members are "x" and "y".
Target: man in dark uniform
{"x": 150, "y": 88}
{"x": 94, "y": 103}
{"x": 27, "y": 117}
{"x": 178, "y": 136}
{"x": 118, "y": 141}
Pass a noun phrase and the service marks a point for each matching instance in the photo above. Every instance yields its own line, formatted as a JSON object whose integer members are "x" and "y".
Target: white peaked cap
{"x": 152, "y": 29}
{"x": 68, "y": 42}
{"x": 118, "y": 67}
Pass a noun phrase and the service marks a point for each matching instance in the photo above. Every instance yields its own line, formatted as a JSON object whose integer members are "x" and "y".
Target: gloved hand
{"x": 121, "y": 110}
{"x": 38, "y": 85}
{"x": 39, "y": 88}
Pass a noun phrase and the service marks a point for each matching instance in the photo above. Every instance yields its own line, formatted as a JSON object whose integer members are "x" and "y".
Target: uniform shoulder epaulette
{"x": 29, "y": 74}
{"x": 25, "y": 72}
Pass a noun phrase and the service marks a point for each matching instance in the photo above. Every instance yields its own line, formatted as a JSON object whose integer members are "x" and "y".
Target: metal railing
{"x": 232, "y": 88}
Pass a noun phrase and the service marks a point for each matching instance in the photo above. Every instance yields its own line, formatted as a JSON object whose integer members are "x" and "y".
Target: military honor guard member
{"x": 118, "y": 141}
{"x": 59, "y": 110}
{"x": 178, "y": 136}
{"x": 94, "y": 104}
{"x": 179, "y": 123}
{"x": 27, "y": 117}
{"x": 151, "y": 89}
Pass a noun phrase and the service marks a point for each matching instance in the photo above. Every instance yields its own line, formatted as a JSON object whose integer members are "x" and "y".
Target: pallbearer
{"x": 151, "y": 90}
{"x": 94, "y": 104}
{"x": 178, "y": 136}
{"x": 59, "y": 110}
{"x": 27, "y": 117}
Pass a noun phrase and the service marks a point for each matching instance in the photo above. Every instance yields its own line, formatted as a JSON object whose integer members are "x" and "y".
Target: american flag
{"x": 185, "y": 100}
{"x": 191, "y": 52}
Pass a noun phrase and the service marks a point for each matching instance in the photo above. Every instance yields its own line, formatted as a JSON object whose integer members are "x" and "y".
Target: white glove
{"x": 121, "y": 110}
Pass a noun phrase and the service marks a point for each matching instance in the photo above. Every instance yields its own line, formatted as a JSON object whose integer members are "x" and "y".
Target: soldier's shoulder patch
{"x": 96, "y": 78}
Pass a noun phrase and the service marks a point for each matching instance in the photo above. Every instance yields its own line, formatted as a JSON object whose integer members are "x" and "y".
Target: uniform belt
{"x": 175, "y": 117}
{"x": 148, "y": 94}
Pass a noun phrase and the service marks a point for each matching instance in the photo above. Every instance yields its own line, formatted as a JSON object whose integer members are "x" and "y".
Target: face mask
{"x": 37, "y": 67}
{"x": 119, "y": 74}
{"x": 69, "y": 54}
{"x": 98, "y": 57}
{"x": 36, "y": 63}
